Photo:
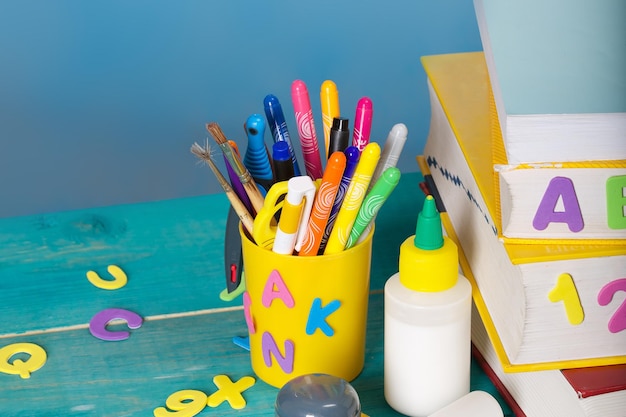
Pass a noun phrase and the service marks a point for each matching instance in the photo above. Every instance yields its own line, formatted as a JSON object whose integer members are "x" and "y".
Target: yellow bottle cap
{"x": 429, "y": 262}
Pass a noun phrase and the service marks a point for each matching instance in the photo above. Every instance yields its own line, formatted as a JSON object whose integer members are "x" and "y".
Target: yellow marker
{"x": 565, "y": 290}
{"x": 354, "y": 197}
{"x": 329, "y": 98}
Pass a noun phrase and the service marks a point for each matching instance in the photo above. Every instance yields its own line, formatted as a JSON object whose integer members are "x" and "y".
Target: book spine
{"x": 545, "y": 321}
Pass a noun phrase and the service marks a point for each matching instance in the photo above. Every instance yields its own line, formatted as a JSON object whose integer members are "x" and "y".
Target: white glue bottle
{"x": 427, "y": 322}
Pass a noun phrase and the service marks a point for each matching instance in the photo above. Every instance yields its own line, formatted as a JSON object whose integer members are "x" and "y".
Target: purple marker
{"x": 352, "y": 160}
{"x": 238, "y": 188}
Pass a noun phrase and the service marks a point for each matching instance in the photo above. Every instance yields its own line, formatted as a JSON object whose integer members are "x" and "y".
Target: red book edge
{"x": 596, "y": 380}
{"x": 506, "y": 395}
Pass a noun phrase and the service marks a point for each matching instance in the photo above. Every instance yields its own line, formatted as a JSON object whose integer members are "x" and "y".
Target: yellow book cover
{"x": 544, "y": 306}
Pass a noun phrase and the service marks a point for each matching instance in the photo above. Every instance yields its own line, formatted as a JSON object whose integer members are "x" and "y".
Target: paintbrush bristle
{"x": 206, "y": 156}
{"x": 203, "y": 152}
{"x": 216, "y": 131}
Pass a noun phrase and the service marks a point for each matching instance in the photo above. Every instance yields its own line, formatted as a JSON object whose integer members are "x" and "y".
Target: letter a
{"x": 559, "y": 187}
{"x": 275, "y": 287}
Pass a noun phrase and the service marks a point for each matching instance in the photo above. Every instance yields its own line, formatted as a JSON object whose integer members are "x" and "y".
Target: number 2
{"x": 617, "y": 323}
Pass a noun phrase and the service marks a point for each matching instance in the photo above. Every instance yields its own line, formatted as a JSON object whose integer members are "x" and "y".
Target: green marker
{"x": 372, "y": 203}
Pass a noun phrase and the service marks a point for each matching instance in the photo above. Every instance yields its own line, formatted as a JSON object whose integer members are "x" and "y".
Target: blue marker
{"x": 278, "y": 126}
{"x": 352, "y": 160}
{"x": 283, "y": 165}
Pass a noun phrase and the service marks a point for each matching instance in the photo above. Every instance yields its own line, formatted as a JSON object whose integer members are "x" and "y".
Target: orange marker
{"x": 323, "y": 204}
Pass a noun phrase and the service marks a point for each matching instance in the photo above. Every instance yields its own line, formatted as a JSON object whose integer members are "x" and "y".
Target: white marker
{"x": 391, "y": 151}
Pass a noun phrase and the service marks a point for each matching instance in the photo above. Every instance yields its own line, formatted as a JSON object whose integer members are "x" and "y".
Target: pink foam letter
{"x": 275, "y": 287}
{"x": 247, "y": 303}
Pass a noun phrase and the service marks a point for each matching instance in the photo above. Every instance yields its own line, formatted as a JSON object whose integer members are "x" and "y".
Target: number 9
{"x": 185, "y": 403}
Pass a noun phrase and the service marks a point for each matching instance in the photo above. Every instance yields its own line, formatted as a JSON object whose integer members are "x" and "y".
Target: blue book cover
{"x": 558, "y": 56}
{"x": 558, "y": 75}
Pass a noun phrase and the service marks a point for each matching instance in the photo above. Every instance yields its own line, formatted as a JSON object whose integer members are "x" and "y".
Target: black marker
{"x": 339, "y": 138}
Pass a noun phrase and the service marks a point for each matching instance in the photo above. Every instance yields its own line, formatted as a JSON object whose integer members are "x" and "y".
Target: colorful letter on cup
{"x": 306, "y": 314}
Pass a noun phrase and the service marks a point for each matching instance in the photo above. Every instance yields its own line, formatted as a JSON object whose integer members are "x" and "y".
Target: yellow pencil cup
{"x": 306, "y": 314}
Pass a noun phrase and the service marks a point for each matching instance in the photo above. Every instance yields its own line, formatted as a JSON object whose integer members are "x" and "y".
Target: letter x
{"x": 230, "y": 391}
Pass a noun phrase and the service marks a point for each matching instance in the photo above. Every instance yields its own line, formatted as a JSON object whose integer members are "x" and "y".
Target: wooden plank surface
{"x": 172, "y": 253}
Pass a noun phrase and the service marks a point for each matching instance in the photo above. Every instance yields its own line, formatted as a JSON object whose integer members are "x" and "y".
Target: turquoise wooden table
{"x": 172, "y": 254}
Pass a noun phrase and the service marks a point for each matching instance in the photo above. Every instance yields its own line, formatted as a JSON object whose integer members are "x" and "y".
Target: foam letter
{"x": 269, "y": 348}
{"x": 120, "y": 278}
{"x": 247, "y": 312}
{"x": 23, "y": 368}
{"x": 318, "y": 315}
{"x": 615, "y": 202}
{"x": 559, "y": 187}
{"x": 230, "y": 391}
{"x": 275, "y": 287}
{"x": 99, "y": 322}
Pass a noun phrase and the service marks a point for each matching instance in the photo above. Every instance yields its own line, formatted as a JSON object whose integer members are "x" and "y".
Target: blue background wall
{"x": 101, "y": 100}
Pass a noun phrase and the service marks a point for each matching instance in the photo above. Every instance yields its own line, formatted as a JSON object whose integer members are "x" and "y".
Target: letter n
{"x": 270, "y": 348}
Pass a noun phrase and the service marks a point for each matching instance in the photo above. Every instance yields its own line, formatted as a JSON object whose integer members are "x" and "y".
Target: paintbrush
{"x": 240, "y": 169}
{"x": 204, "y": 153}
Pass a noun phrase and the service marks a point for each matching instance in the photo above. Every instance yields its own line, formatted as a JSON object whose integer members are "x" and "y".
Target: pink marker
{"x": 362, "y": 123}
{"x": 306, "y": 129}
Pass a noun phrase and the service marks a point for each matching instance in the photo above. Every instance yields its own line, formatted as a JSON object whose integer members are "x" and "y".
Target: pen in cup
{"x": 391, "y": 151}
{"x": 278, "y": 126}
{"x": 306, "y": 129}
{"x": 354, "y": 197}
{"x": 281, "y": 158}
{"x": 362, "y": 123}
{"x": 388, "y": 158}
{"x": 329, "y": 99}
{"x": 372, "y": 204}
{"x": 323, "y": 204}
{"x": 352, "y": 160}
{"x": 339, "y": 138}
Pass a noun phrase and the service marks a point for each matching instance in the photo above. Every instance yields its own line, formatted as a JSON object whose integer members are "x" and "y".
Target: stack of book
{"x": 539, "y": 215}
